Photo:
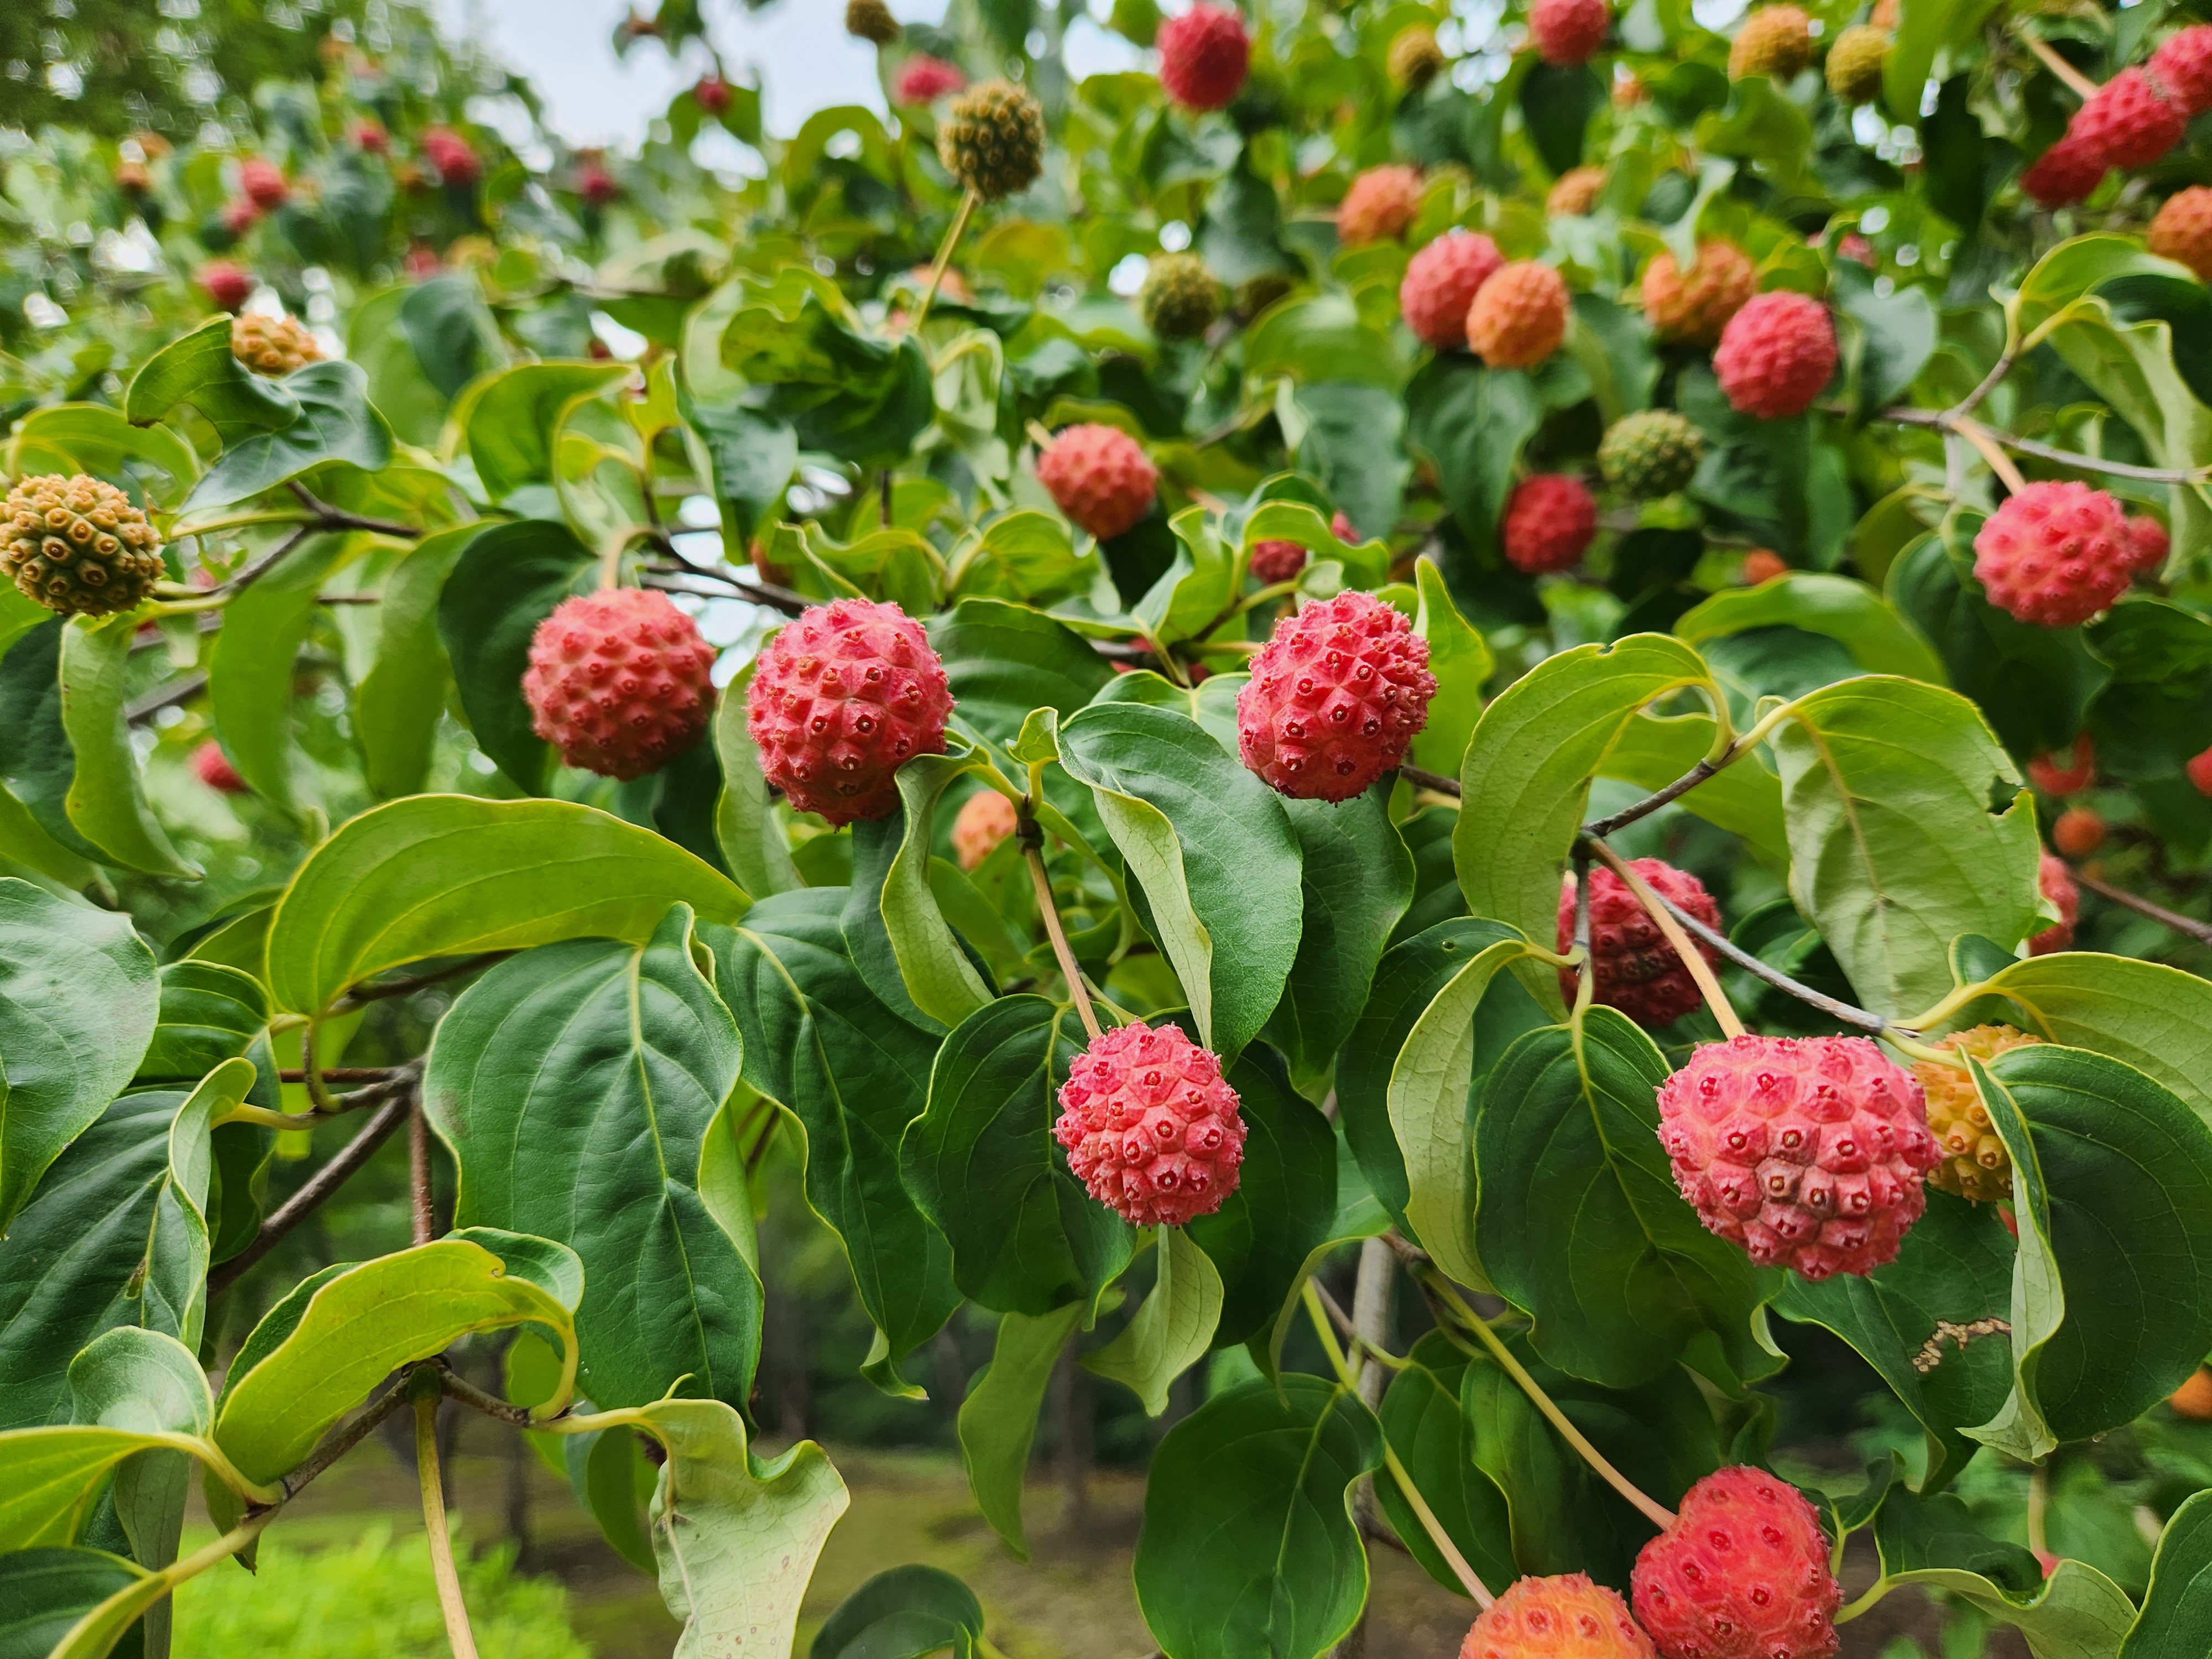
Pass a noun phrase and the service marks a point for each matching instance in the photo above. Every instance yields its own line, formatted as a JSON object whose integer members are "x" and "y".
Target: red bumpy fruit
{"x": 1204, "y": 55}
{"x": 2065, "y": 173}
{"x": 1441, "y": 282}
{"x": 455, "y": 158}
{"x": 1809, "y": 1151}
{"x": 2078, "y": 832}
{"x": 2069, "y": 774}
{"x": 1742, "y": 1573}
{"x": 618, "y": 682}
{"x": 2059, "y": 886}
{"x": 1638, "y": 972}
{"x": 1380, "y": 204}
{"x": 2127, "y": 124}
{"x": 1776, "y": 355}
{"x": 1549, "y": 521}
{"x": 925, "y": 80}
{"x": 1334, "y": 698}
{"x": 1276, "y": 562}
{"x": 1763, "y": 564}
{"x": 213, "y": 768}
{"x": 2055, "y": 555}
{"x": 228, "y": 285}
{"x": 263, "y": 182}
{"x": 2200, "y": 772}
{"x": 1564, "y": 1618}
{"x": 713, "y": 93}
{"x": 1694, "y": 307}
{"x": 2184, "y": 67}
{"x": 1150, "y": 1126}
{"x": 2147, "y": 543}
{"x": 1520, "y": 316}
{"x": 987, "y": 817}
{"x": 1569, "y": 32}
{"x": 239, "y": 216}
{"x": 846, "y": 695}
{"x": 1101, "y": 477}
{"x": 2183, "y": 229}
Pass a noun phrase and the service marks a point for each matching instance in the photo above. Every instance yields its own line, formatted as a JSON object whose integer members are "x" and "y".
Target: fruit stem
{"x": 1033, "y": 855}
{"x": 1585, "y": 968}
{"x": 1692, "y": 958}
{"x": 1469, "y": 1581}
{"x": 617, "y": 544}
{"x": 1658, "y": 1514}
{"x": 427, "y": 1396}
{"x": 2000, "y": 462}
{"x": 2079, "y": 84}
{"x": 945, "y": 259}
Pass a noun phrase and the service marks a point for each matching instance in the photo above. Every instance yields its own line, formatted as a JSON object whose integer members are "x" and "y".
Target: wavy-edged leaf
{"x": 106, "y": 800}
{"x": 1356, "y": 878}
{"x": 396, "y": 708}
{"x": 336, "y": 422}
{"x": 2156, "y": 1018}
{"x": 998, "y": 1418}
{"x": 510, "y": 420}
{"x": 251, "y": 672}
{"x": 1422, "y": 1418}
{"x": 1170, "y": 1329}
{"x": 199, "y": 368}
{"x": 506, "y": 581}
{"x": 1267, "y": 1231}
{"x": 2176, "y": 1620}
{"x": 1003, "y": 660}
{"x": 1462, "y": 660}
{"x": 445, "y": 875}
{"x": 209, "y": 1013}
{"x": 932, "y": 971}
{"x": 1850, "y": 612}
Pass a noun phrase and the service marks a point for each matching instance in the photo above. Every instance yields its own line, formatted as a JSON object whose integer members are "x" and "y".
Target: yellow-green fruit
{"x": 77, "y": 546}
{"x": 1650, "y": 453}
{"x": 1416, "y": 60}
{"x": 1855, "y": 64}
{"x": 1776, "y": 41}
{"x": 1180, "y": 297}
{"x": 871, "y": 20}
{"x": 993, "y": 140}
{"x": 1262, "y": 291}
{"x": 272, "y": 346}
{"x": 1975, "y": 1164}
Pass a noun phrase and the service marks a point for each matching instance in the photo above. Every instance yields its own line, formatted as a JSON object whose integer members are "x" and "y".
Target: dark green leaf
{"x": 506, "y": 581}
{"x": 1472, "y": 422}
{"x": 907, "y": 1613}
{"x": 1421, "y": 1415}
{"x": 1266, "y": 1232}
{"x": 336, "y": 422}
{"x": 1006, "y": 659}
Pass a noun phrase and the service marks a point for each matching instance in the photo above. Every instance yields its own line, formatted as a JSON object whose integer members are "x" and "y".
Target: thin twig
{"x": 319, "y": 1187}
{"x": 1946, "y": 420}
{"x": 1421, "y": 778}
{"x": 1843, "y": 1012}
{"x": 1692, "y": 958}
{"x": 2187, "y": 926}
{"x": 464, "y": 1392}
{"x": 361, "y": 995}
{"x": 176, "y": 692}
{"x": 422, "y": 1205}
{"x": 937, "y": 269}
{"x": 344, "y": 1438}
{"x": 2081, "y": 86}
{"x": 762, "y": 593}
{"x": 1032, "y": 852}
{"x": 335, "y": 518}
{"x": 350, "y": 1074}
{"x": 2000, "y": 462}
{"x": 1972, "y": 400}
{"x": 261, "y": 567}
{"x": 1599, "y": 829}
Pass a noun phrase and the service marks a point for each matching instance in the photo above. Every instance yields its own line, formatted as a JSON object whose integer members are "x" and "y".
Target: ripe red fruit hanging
{"x": 1441, "y": 282}
{"x": 597, "y": 185}
{"x": 924, "y": 80}
{"x": 1763, "y": 564}
{"x": 2127, "y": 124}
{"x": 1150, "y": 1126}
{"x": 1101, "y": 477}
{"x": 371, "y": 137}
{"x": 1638, "y": 972}
{"x": 1519, "y": 316}
{"x": 2069, "y": 774}
{"x": 1380, "y": 205}
{"x": 2183, "y": 229}
{"x": 455, "y": 158}
{"x": 1276, "y": 562}
{"x": 2065, "y": 173}
{"x": 1564, "y": 1618}
{"x": 2055, "y": 555}
{"x": 618, "y": 682}
{"x": 2078, "y": 832}
{"x": 2147, "y": 543}
{"x": 1808, "y": 1151}
{"x": 711, "y": 94}
{"x": 213, "y": 768}
{"x": 1569, "y": 32}
{"x": 263, "y": 182}
{"x": 846, "y": 695}
{"x": 1334, "y": 698}
{"x": 1342, "y": 528}
{"x": 1550, "y": 520}
{"x": 2183, "y": 65}
{"x": 987, "y": 817}
{"x": 1777, "y": 356}
{"x": 1204, "y": 56}
{"x": 2059, "y": 886}
{"x": 226, "y": 284}
{"x": 2200, "y": 772}
{"x": 1695, "y": 306}
{"x": 1742, "y": 1574}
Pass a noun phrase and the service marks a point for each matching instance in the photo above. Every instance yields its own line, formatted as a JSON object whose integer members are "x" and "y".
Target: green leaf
{"x": 2156, "y": 1018}
{"x": 1247, "y": 1545}
{"x": 2176, "y": 1620}
{"x": 1366, "y": 564}
{"x": 1525, "y": 784}
{"x": 1174, "y": 1326}
{"x": 510, "y": 420}
{"x": 506, "y": 582}
{"x": 2111, "y": 1171}
{"x": 1213, "y": 850}
{"x": 935, "y": 971}
{"x": 1460, "y": 659}
{"x": 1005, "y": 660}
{"x": 44, "y": 1593}
{"x": 854, "y": 1075}
{"x": 97, "y": 439}
{"x": 1266, "y": 1233}
{"x": 447, "y": 875}
{"x": 37, "y": 764}
{"x": 1955, "y": 1271}
{"x": 396, "y": 708}
{"x": 1026, "y": 556}
{"x": 1356, "y": 878}
{"x": 852, "y": 395}
{"x": 251, "y": 672}
{"x": 78, "y": 1002}
{"x": 1743, "y": 798}
{"x": 982, "y": 1164}
{"x": 1421, "y": 1417}
{"x": 1580, "y": 1224}
{"x": 317, "y": 1354}
{"x": 106, "y": 800}
{"x": 1472, "y": 423}
{"x": 607, "y": 1061}
{"x": 1847, "y": 611}
{"x": 1898, "y": 847}
{"x": 198, "y": 368}
{"x": 1896, "y": 333}
{"x": 746, "y": 828}
{"x": 208, "y": 1014}
{"x": 336, "y": 422}
{"x": 116, "y": 1235}
{"x": 1193, "y": 592}
{"x": 1354, "y": 445}
{"x": 907, "y": 1613}
{"x": 1322, "y": 337}
{"x": 998, "y": 1418}
{"x": 752, "y": 459}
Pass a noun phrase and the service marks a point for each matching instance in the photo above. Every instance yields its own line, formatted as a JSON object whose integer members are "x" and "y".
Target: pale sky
{"x": 807, "y": 60}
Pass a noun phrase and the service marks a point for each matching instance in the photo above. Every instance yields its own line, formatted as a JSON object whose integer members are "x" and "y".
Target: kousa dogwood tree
{"x": 1563, "y": 651}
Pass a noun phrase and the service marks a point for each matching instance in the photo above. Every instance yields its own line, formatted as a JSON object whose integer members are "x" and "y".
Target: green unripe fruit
{"x": 1416, "y": 60}
{"x": 77, "y": 546}
{"x": 1650, "y": 453}
{"x": 871, "y": 20}
{"x": 1180, "y": 298}
{"x": 993, "y": 140}
{"x": 1855, "y": 64}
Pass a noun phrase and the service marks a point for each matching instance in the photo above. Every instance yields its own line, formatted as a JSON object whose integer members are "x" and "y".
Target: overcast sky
{"x": 806, "y": 59}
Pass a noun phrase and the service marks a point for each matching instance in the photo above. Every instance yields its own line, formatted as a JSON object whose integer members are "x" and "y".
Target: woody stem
{"x": 1692, "y": 958}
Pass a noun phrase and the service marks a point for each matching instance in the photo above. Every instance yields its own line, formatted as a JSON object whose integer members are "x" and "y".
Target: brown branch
{"x": 361, "y": 995}
{"x": 319, "y": 1187}
{"x": 463, "y": 1392}
{"x": 1421, "y": 778}
{"x": 344, "y": 1438}
{"x": 176, "y": 692}
{"x": 1650, "y": 804}
{"x": 2187, "y": 926}
{"x": 425, "y": 1213}
{"x": 334, "y": 517}
{"x": 1948, "y": 420}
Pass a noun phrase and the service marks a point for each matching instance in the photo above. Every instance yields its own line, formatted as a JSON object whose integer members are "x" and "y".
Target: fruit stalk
{"x": 1032, "y": 853}
{"x": 944, "y": 260}
{"x": 1661, "y": 914}
{"x": 428, "y": 1389}
{"x": 2187, "y": 926}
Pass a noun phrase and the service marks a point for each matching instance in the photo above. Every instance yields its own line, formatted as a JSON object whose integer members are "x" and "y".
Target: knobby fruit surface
{"x": 985, "y": 818}
{"x": 2055, "y": 555}
{"x": 1638, "y": 972}
{"x": 2182, "y": 231}
{"x": 1441, "y": 282}
{"x": 1101, "y": 479}
{"x": 1150, "y": 1126}
{"x": 1742, "y": 1574}
{"x": 1519, "y": 316}
{"x": 1334, "y": 698}
{"x": 1415, "y": 57}
{"x": 1276, "y": 562}
{"x": 619, "y": 682}
{"x": 1180, "y": 299}
{"x": 1575, "y": 192}
{"x": 1379, "y": 206}
{"x": 1776, "y": 41}
{"x": 1569, "y": 32}
{"x": 1550, "y": 521}
{"x": 2069, "y": 774}
{"x": 992, "y": 140}
{"x": 1566, "y": 1617}
{"x": 77, "y": 546}
{"x": 1975, "y": 1163}
{"x": 1777, "y": 356}
{"x": 1650, "y": 453}
{"x": 1204, "y": 56}
{"x": 274, "y": 346}
{"x": 1694, "y": 307}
